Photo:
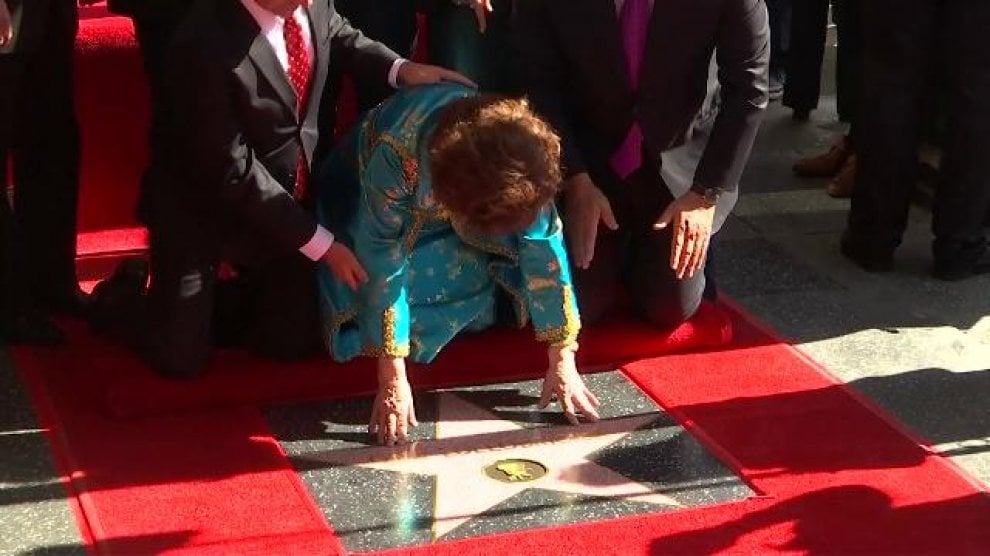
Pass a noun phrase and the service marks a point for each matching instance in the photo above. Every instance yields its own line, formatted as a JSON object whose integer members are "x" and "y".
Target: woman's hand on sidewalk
{"x": 393, "y": 411}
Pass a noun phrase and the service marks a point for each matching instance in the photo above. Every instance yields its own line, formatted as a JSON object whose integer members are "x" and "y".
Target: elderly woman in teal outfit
{"x": 450, "y": 202}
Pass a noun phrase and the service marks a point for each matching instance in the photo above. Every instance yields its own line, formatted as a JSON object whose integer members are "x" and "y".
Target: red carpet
{"x": 112, "y": 108}
{"x": 835, "y": 476}
{"x": 235, "y": 378}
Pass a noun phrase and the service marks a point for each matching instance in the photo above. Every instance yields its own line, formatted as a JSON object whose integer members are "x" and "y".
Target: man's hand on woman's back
{"x": 413, "y": 73}
{"x": 345, "y": 265}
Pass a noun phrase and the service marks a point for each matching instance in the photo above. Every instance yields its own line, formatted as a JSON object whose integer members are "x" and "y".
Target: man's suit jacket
{"x": 232, "y": 133}
{"x": 575, "y": 75}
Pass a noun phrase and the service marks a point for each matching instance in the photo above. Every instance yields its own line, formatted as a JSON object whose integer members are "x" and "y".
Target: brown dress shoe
{"x": 825, "y": 165}
{"x": 842, "y": 186}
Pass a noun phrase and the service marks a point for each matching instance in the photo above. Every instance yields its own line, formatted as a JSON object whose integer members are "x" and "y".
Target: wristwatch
{"x": 711, "y": 194}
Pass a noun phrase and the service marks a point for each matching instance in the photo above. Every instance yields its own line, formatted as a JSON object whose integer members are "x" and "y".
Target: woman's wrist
{"x": 561, "y": 353}
{"x": 391, "y": 370}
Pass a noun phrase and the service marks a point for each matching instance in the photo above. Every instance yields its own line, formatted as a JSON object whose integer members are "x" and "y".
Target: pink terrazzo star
{"x": 470, "y": 438}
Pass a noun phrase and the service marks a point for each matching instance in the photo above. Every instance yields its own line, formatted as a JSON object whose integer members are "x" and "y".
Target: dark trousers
{"x": 154, "y": 23}
{"x": 809, "y": 19}
{"x": 270, "y": 309}
{"x": 390, "y": 22}
{"x": 39, "y": 134}
{"x": 486, "y": 58}
{"x": 636, "y": 258}
{"x": 906, "y": 40}
{"x": 848, "y": 18}
{"x": 780, "y": 32}
{"x": 807, "y": 50}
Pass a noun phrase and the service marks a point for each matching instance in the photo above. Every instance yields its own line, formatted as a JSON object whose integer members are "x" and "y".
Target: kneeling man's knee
{"x": 670, "y": 311}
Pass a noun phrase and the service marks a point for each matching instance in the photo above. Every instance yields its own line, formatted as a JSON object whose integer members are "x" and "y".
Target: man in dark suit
{"x": 38, "y": 133}
{"x": 228, "y": 182}
{"x": 621, "y": 91}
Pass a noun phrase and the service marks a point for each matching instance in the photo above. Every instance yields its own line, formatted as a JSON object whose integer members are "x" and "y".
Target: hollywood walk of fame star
{"x": 470, "y": 438}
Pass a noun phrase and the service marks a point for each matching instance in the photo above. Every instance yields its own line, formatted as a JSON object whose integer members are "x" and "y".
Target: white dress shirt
{"x": 273, "y": 29}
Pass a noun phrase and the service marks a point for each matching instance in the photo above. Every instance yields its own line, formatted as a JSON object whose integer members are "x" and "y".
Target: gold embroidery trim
{"x": 338, "y": 320}
{"x": 522, "y": 308}
{"x": 368, "y": 138}
{"x": 407, "y": 159}
{"x": 567, "y": 333}
{"x": 408, "y": 163}
{"x": 401, "y": 351}
{"x": 389, "y": 348}
{"x": 534, "y": 284}
{"x": 419, "y": 219}
{"x": 483, "y": 245}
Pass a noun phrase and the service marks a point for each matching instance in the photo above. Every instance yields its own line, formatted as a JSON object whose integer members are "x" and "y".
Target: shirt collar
{"x": 266, "y": 19}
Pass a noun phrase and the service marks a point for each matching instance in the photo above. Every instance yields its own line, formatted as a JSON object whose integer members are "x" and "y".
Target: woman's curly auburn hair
{"x": 494, "y": 163}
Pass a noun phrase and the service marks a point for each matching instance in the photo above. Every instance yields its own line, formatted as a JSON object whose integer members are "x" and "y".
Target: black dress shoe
{"x": 33, "y": 330}
{"x": 869, "y": 257}
{"x": 114, "y": 299}
{"x": 952, "y": 270}
{"x": 71, "y": 302}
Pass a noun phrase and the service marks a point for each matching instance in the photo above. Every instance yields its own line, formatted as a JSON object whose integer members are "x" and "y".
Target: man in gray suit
{"x": 624, "y": 82}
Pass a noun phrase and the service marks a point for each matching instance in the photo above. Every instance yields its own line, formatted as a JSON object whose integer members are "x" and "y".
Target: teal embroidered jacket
{"x": 429, "y": 278}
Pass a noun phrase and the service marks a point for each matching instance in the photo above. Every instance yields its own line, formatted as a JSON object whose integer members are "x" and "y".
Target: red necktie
{"x": 299, "y": 74}
{"x": 634, "y": 18}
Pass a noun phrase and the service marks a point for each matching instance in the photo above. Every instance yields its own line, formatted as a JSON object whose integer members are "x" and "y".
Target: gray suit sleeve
{"x": 542, "y": 72}
{"x": 743, "y": 56}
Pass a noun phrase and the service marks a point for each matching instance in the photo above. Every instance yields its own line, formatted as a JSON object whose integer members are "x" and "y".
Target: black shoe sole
{"x": 867, "y": 262}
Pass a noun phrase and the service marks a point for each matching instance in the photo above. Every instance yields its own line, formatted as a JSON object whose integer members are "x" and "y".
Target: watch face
{"x": 710, "y": 194}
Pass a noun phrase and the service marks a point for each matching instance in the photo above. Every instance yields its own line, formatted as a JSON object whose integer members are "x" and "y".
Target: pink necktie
{"x": 634, "y": 19}
{"x": 299, "y": 74}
